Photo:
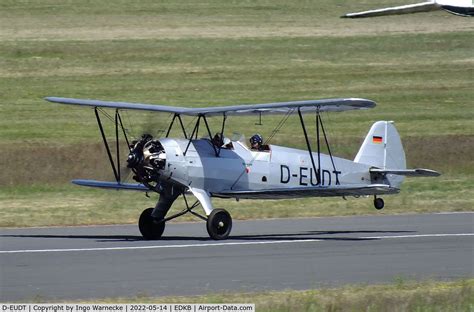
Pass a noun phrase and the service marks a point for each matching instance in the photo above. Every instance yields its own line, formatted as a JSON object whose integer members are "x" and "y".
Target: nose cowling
{"x": 146, "y": 158}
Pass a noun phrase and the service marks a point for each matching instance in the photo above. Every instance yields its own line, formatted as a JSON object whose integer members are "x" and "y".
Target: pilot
{"x": 217, "y": 140}
{"x": 256, "y": 142}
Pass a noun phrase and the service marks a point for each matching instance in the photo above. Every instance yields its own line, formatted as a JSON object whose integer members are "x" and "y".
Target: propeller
{"x": 145, "y": 155}
{"x": 146, "y": 158}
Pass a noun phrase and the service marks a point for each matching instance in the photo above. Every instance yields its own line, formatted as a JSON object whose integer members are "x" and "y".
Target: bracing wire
{"x": 270, "y": 137}
{"x": 279, "y": 125}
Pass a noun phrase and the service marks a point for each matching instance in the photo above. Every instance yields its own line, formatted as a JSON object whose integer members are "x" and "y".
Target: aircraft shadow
{"x": 96, "y": 237}
{"x": 320, "y": 235}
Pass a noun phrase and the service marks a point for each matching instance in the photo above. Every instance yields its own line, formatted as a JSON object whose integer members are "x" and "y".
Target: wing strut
{"x": 308, "y": 145}
{"x": 319, "y": 123}
{"x": 118, "y": 121}
{"x": 176, "y": 115}
{"x": 123, "y": 128}
{"x": 329, "y": 150}
{"x": 106, "y": 144}
{"x": 117, "y": 145}
{"x": 224, "y": 117}
{"x": 210, "y": 136}
{"x": 194, "y": 134}
{"x": 319, "y": 146}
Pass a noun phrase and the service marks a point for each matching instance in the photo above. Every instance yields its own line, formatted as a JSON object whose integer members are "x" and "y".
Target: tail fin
{"x": 382, "y": 148}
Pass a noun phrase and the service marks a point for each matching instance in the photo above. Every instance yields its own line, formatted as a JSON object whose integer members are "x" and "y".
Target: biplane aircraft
{"x": 456, "y": 7}
{"x": 215, "y": 166}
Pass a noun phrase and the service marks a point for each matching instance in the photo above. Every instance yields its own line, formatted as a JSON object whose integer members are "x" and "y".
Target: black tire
{"x": 149, "y": 227}
{"x": 378, "y": 203}
{"x": 219, "y": 224}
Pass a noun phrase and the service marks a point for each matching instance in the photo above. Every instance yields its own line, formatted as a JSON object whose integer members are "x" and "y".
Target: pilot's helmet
{"x": 227, "y": 141}
{"x": 256, "y": 139}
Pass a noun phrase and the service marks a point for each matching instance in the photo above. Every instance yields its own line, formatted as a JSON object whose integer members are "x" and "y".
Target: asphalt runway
{"x": 108, "y": 261}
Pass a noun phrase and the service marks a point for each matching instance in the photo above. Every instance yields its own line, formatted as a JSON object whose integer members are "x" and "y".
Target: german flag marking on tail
{"x": 377, "y": 139}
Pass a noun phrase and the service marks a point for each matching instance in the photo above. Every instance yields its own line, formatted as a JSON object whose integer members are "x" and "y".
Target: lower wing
{"x": 315, "y": 191}
{"x": 112, "y": 185}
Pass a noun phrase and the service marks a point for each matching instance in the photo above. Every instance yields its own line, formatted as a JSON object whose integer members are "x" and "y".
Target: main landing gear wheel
{"x": 219, "y": 224}
{"x": 378, "y": 203}
{"x": 149, "y": 227}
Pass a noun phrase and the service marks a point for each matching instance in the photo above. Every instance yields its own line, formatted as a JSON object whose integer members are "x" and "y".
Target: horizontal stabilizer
{"x": 316, "y": 191}
{"x": 418, "y": 172}
{"x": 403, "y": 9}
{"x": 111, "y": 185}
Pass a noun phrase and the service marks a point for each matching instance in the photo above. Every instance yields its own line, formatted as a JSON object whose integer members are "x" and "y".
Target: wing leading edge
{"x": 323, "y": 191}
{"x": 323, "y": 105}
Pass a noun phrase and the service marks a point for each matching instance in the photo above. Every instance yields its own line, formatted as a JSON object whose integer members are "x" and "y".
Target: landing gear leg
{"x": 152, "y": 220}
{"x": 219, "y": 221}
{"x": 378, "y": 203}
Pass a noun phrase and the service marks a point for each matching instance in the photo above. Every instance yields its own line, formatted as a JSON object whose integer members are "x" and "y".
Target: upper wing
{"x": 324, "y": 105}
{"x": 119, "y": 105}
{"x": 335, "y": 105}
{"x": 403, "y": 9}
{"x": 317, "y": 191}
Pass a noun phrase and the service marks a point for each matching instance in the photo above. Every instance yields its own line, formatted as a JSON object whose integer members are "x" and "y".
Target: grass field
{"x": 401, "y": 295}
{"x": 419, "y": 69}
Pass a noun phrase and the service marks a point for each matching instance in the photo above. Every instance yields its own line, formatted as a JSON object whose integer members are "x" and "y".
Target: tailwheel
{"x": 150, "y": 228}
{"x": 378, "y": 203}
{"x": 219, "y": 224}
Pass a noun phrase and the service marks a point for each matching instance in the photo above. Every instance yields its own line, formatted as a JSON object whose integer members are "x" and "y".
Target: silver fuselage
{"x": 240, "y": 168}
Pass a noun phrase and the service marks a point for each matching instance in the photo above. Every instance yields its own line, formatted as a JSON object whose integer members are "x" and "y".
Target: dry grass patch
{"x": 402, "y": 295}
{"x": 55, "y": 20}
{"x": 334, "y": 29}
